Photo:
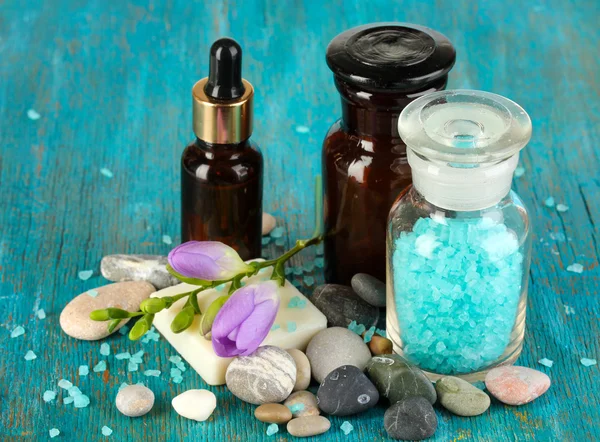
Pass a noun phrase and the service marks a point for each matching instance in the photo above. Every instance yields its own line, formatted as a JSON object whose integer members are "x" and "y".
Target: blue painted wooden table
{"x": 111, "y": 82}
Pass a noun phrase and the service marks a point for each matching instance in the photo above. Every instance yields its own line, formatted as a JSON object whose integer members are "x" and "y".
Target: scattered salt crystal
{"x": 155, "y": 373}
{"x": 100, "y": 366}
{"x": 280, "y": 242}
{"x": 49, "y": 395}
{"x": 175, "y": 372}
{"x": 178, "y": 379}
{"x": 569, "y": 310}
{"x": 320, "y": 262}
{"x": 381, "y": 332}
{"x": 346, "y": 427}
{"x": 124, "y": 330}
{"x": 479, "y": 384}
{"x": 64, "y": 384}
{"x": 562, "y": 207}
{"x": 291, "y": 326}
{"x": 105, "y": 349}
{"x": 30, "y": 356}
{"x": 293, "y": 302}
{"x": 296, "y": 408}
{"x": 132, "y": 366}
{"x": 106, "y": 172}
{"x": 124, "y": 355}
{"x": 549, "y": 202}
{"x": 369, "y": 335}
{"x": 586, "y": 362}
{"x": 266, "y": 240}
{"x": 81, "y": 401}
{"x": 275, "y": 327}
{"x": 54, "y": 432}
{"x": 68, "y": 400}
{"x": 181, "y": 366}
{"x": 123, "y": 385}
{"x": 84, "y": 275}
{"x": 74, "y": 391}
{"x": 41, "y": 314}
{"x": 558, "y": 236}
{"x": 309, "y": 281}
{"x": 546, "y": 362}
{"x": 272, "y": 429}
{"x": 575, "y": 268}
{"x": 519, "y": 171}
{"x": 359, "y": 329}
{"x": 167, "y": 240}
{"x": 106, "y": 431}
{"x": 175, "y": 359}
{"x": 92, "y": 293}
{"x": 84, "y": 370}
{"x": 17, "y": 331}
{"x": 302, "y": 129}
{"x": 277, "y": 232}
{"x": 298, "y": 271}
{"x": 288, "y": 271}
{"x": 309, "y": 266}
{"x": 33, "y": 115}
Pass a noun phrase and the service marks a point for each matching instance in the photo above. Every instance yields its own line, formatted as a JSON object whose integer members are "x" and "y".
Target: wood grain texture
{"x": 112, "y": 83}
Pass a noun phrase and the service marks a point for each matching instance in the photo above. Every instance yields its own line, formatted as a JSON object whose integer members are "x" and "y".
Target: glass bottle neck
{"x": 375, "y": 114}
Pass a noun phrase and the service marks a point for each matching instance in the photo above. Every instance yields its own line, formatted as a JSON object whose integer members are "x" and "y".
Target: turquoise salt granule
{"x": 519, "y": 172}
{"x": 54, "y": 432}
{"x": 84, "y": 275}
{"x": 41, "y": 314}
{"x": 84, "y": 370}
{"x": 562, "y": 207}
{"x": 575, "y": 268}
{"x": 546, "y": 362}
{"x": 106, "y": 431}
{"x": 167, "y": 240}
{"x": 549, "y": 202}
{"x": 106, "y": 172}
{"x": 457, "y": 285}
{"x": 272, "y": 429}
{"x": 92, "y": 293}
{"x": 154, "y": 373}
{"x": 64, "y": 384}
{"x": 100, "y": 366}
{"x": 105, "y": 349}
{"x": 123, "y": 355}
{"x": 346, "y": 427}
{"x": 49, "y": 395}
{"x": 17, "y": 331}
{"x": 30, "y": 355}
{"x": 587, "y": 362}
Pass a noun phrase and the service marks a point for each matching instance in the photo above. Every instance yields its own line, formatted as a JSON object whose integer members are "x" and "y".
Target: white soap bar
{"x": 296, "y": 327}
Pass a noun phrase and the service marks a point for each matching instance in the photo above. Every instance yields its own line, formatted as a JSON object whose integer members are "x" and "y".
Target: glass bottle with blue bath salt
{"x": 459, "y": 240}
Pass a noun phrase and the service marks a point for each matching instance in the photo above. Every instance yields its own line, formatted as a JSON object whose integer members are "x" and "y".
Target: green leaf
{"x": 140, "y": 328}
{"x": 113, "y": 324}
{"x": 193, "y": 281}
{"x": 193, "y": 301}
{"x": 117, "y": 313}
{"x": 183, "y": 319}
{"x": 99, "y": 315}
{"x": 153, "y": 305}
{"x": 208, "y": 318}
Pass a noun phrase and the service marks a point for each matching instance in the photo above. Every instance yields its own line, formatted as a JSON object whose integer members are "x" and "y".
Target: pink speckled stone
{"x": 516, "y": 385}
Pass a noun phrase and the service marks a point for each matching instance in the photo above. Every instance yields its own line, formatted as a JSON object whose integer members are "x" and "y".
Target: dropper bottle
{"x": 222, "y": 170}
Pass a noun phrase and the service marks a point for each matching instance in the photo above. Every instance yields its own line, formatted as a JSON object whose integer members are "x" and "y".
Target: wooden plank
{"x": 112, "y": 83}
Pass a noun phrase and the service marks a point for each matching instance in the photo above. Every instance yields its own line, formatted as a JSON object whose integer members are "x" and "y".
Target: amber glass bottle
{"x": 378, "y": 69}
{"x": 222, "y": 170}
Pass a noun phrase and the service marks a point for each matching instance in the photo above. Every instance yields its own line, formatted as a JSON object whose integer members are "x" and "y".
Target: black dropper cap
{"x": 225, "y": 76}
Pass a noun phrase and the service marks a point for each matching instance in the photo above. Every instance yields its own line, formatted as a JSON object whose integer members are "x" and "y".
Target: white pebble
{"x": 197, "y": 405}
{"x": 268, "y": 223}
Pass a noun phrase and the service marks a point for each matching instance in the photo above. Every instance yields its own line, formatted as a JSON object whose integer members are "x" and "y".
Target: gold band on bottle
{"x": 222, "y": 122}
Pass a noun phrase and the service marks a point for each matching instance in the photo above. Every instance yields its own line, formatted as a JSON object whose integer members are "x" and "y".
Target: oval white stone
{"x": 197, "y": 405}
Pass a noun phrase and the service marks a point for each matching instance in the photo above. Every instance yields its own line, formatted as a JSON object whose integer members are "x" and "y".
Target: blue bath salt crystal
{"x": 175, "y": 359}
{"x": 562, "y": 207}
{"x": 105, "y": 349}
{"x": 296, "y": 408}
{"x": 175, "y": 372}
{"x": 64, "y": 384}
{"x": 359, "y": 329}
{"x": 49, "y": 395}
{"x": 124, "y": 355}
{"x": 167, "y": 240}
{"x": 369, "y": 335}
{"x": 275, "y": 327}
{"x": 575, "y": 268}
{"x": 68, "y": 400}
{"x": 153, "y": 373}
{"x": 81, "y": 401}
{"x": 309, "y": 281}
{"x": 308, "y": 266}
{"x": 54, "y": 432}
{"x": 291, "y": 326}
{"x": 346, "y": 427}
{"x": 298, "y": 270}
{"x": 457, "y": 286}
{"x": 280, "y": 242}
{"x": 546, "y": 362}
{"x": 92, "y": 293}
{"x": 132, "y": 366}
{"x": 272, "y": 429}
{"x": 74, "y": 391}
{"x": 124, "y": 330}
{"x": 30, "y": 356}
{"x": 178, "y": 379}
{"x": 293, "y": 302}
{"x": 106, "y": 431}
{"x": 588, "y": 362}
{"x": 558, "y": 236}
{"x": 41, "y": 314}
{"x": 181, "y": 366}
{"x": 17, "y": 331}
{"x": 123, "y": 385}
{"x": 549, "y": 202}
{"x": 100, "y": 366}
{"x": 277, "y": 232}
{"x": 320, "y": 262}
{"x": 381, "y": 332}
{"x": 84, "y": 275}
{"x": 84, "y": 370}
{"x": 266, "y": 240}
{"x": 519, "y": 171}
{"x": 106, "y": 172}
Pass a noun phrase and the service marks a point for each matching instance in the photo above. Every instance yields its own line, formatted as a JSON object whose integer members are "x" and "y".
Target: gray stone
{"x": 369, "y": 288}
{"x": 333, "y": 347}
{"x": 346, "y": 391}
{"x": 149, "y": 268}
{"x": 410, "y": 419}
{"x": 302, "y": 403}
{"x": 135, "y": 400}
{"x": 266, "y": 376}
{"x": 396, "y": 379}
{"x": 341, "y": 306}
{"x": 303, "y": 373}
{"x": 308, "y": 426}
{"x": 75, "y": 317}
{"x": 460, "y": 397}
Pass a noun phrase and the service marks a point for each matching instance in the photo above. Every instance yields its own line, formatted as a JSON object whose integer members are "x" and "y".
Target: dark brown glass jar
{"x": 378, "y": 69}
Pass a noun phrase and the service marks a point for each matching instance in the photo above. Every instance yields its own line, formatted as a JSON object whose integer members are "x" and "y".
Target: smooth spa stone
{"x": 303, "y": 373}
{"x": 334, "y": 347}
{"x": 308, "y": 426}
{"x": 396, "y": 379}
{"x": 149, "y": 268}
{"x": 341, "y": 306}
{"x": 460, "y": 397}
{"x": 410, "y": 419}
{"x": 302, "y": 403}
{"x": 346, "y": 391}
{"x": 268, "y": 223}
{"x": 198, "y": 352}
{"x": 135, "y": 400}
{"x": 267, "y": 375}
{"x": 515, "y": 385}
{"x": 75, "y": 318}
{"x": 273, "y": 413}
{"x": 369, "y": 288}
{"x": 197, "y": 405}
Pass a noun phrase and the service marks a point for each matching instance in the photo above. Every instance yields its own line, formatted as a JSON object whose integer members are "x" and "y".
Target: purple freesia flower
{"x": 244, "y": 321}
{"x": 208, "y": 260}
